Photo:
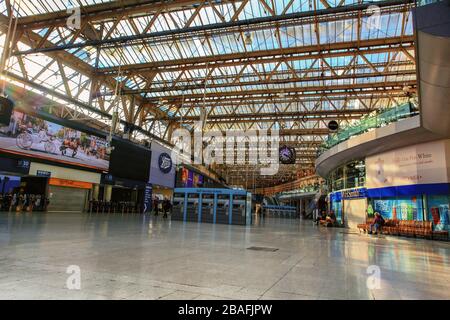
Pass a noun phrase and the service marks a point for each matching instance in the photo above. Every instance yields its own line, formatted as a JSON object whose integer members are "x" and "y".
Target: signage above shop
{"x": 9, "y": 165}
{"x": 354, "y": 193}
{"x": 42, "y": 173}
{"x": 348, "y": 194}
{"x": 70, "y": 183}
{"x": 23, "y": 164}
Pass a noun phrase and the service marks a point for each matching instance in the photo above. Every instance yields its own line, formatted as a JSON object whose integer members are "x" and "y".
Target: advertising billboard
{"x": 42, "y": 139}
{"x": 197, "y": 180}
{"x": 418, "y": 164}
{"x": 162, "y": 170}
{"x": 191, "y": 179}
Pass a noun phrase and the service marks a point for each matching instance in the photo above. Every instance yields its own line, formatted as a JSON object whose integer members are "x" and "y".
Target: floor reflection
{"x": 125, "y": 256}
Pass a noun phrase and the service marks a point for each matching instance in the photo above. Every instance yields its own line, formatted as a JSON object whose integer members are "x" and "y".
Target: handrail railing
{"x": 425, "y": 2}
{"x": 381, "y": 119}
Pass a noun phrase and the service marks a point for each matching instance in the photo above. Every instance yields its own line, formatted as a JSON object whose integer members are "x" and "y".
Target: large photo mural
{"x": 38, "y": 138}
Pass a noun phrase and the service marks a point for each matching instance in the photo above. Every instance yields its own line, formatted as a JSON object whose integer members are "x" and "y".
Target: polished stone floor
{"x": 142, "y": 257}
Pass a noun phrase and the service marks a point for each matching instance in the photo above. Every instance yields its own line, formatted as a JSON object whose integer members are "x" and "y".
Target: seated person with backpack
{"x": 377, "y": 223}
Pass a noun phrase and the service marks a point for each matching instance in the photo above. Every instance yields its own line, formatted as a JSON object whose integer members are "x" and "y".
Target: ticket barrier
{"x": 225, "y": 206}
{"x": 280, "y": 211}
{"x": 96, "y": 206}
{"x": 239, "y": 207}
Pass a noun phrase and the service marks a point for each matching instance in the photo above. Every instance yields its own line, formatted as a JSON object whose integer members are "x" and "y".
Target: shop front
{"x": 67, "y": 190}
{"x": 406, "y": 184}
{"x": 412, "y": 183}
{"x": 349, "y": 206}
{"x": 119, "y": 195}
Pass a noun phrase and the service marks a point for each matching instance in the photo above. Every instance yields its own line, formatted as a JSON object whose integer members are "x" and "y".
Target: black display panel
{"x": 13, "y": 165}
{"x": 130, "y": 161}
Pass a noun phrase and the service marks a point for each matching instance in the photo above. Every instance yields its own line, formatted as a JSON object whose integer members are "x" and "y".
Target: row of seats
{"x": 409, "y": 228}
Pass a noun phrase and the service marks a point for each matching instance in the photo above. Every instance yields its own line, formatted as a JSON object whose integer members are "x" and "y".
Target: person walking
{"x": 156, "y": 206}
{"x": 166, "y": 207}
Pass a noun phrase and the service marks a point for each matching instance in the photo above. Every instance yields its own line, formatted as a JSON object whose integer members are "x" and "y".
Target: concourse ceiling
{"x": 287, "y": 65}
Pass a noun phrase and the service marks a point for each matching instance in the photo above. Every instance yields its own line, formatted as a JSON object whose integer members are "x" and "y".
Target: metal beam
{"x": 107, "y": 10}
{"x": 32, "y": 38}
{"x": 295, "y": 98}
{"x": 297, "y": 81}
{"x": 75, "y": 102}
{"x": 337, "y": 49}
{"x": 355, "y": 87}
{"x": 262, "y": 116}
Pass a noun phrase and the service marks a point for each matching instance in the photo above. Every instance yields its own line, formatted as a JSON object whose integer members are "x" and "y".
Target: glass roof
{"x": 300, "y": 76}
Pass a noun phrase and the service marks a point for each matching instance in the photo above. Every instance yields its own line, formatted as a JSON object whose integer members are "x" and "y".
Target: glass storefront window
{"x": 409, "y": 208}
{"x": 354, "y": 174}
{"x": 351, "y": 175}
{"x": 400, "y": 208}
{"x": 336, "y": 206}
{"x": 438, "y": 211}
{"x": 338, "y": 179}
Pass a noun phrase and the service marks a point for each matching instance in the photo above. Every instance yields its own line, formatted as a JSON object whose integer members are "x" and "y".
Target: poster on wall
{"x": 419, "y": 164}
{"x": 190, "y": 179}
{"x": 407, "y": 208}
{"x": 184, "y": 176}
{"x": 198, "y": 180}
{"x": 38, "y": 138}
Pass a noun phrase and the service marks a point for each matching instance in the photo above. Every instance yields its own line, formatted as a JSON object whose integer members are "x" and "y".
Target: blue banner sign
{"x": 148, "y": 198}
{"x": 354, "y": 193}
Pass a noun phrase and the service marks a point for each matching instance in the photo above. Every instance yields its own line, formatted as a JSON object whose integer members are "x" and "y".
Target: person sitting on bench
{"x": 321, "y": 217}
{"x": 377, "y": 223}
{"x": 331, "y": 219}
